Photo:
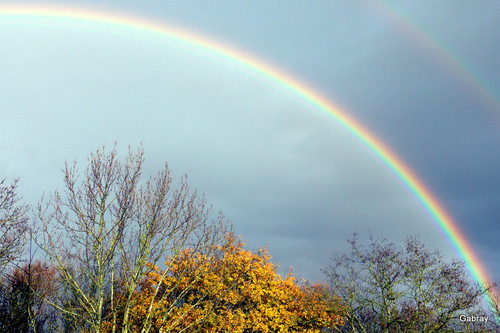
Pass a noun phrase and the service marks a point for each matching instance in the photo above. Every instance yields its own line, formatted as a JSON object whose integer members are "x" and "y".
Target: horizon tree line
{"x": 125, "y": 253}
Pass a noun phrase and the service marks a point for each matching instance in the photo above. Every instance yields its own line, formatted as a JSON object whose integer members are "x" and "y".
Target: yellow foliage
{"x": 234, "y": 291}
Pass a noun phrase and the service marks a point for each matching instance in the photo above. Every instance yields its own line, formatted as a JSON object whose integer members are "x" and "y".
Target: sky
{"x": 421, "y": 76}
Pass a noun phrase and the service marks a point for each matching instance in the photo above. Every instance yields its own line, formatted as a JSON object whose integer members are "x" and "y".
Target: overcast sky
{"x": 422, "y": 76}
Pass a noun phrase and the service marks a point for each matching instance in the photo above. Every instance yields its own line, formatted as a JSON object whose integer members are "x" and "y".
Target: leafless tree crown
{"x": 13, "y": 223}
{"x": 109, "y": 228}
{"x": 386, "y": 288}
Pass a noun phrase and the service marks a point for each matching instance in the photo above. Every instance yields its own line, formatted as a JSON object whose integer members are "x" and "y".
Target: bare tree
{"x": 108, "y": 230}
{"x": 386, "y": 288}
{"x": 494, "y": 305}
{"x": 13, "y": 224}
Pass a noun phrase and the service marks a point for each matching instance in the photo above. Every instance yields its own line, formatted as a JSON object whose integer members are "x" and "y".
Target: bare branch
{"x": 108, "y": 226}
{"x": 385, "y": 288}
{"x": 13, "y": 224}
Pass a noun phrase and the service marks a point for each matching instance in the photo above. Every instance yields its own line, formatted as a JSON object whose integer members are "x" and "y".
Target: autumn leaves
{"x": 238, "y": 291}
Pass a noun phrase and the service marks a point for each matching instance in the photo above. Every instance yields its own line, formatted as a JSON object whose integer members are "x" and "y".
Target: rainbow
{"x": 442, "y": 54}
{"x": 146, "y": 27}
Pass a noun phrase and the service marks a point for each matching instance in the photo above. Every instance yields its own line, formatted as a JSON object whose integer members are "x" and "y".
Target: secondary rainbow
{"x": 442, "y": 54}
{"x": 145, "y": 28}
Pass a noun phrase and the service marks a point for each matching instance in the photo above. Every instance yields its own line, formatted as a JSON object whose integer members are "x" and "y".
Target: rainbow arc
{"x": 148, "y": 29}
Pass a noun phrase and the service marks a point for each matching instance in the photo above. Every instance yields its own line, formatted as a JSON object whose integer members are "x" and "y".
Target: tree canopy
{"x": 240, "y": 291}
{"x": 386, "y": 288}
{"x": 121, "y": 253}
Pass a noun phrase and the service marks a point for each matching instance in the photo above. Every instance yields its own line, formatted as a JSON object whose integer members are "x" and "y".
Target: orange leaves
{"x": 231, "y": 290}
